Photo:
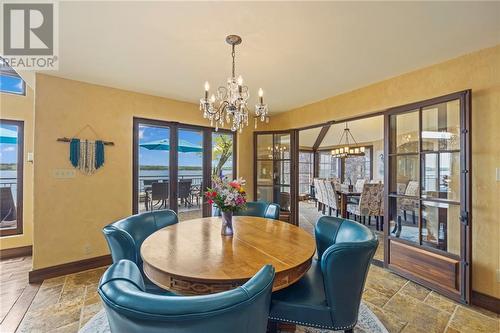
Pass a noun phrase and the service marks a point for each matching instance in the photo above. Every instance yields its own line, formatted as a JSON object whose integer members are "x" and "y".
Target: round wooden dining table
{"x": 193, "y": 258}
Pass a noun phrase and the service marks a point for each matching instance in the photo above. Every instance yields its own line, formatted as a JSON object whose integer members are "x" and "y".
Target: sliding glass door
{"x": 428, "y": 187}
{"x": 174, "y": 163}
{"x": 11, "y": 177}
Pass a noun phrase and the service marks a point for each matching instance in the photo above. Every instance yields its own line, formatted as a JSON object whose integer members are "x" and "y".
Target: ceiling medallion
{"x": 229, "y": 104}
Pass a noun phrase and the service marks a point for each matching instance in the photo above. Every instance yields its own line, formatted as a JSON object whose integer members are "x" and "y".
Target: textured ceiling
{"x": 299, "y": 52}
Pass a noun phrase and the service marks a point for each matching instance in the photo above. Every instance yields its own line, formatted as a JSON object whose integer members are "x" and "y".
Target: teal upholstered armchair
{"x": 257, "y": 208}
{"x": 328, "y": 296}
{"x": 125, "y": 237}
{"x": 130, "y": 309}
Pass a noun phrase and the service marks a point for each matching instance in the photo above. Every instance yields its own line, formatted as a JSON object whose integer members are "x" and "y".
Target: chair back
{"x": 322, "y": 190}
{"x": 346, "y": 249}
{"x": 412, "y": 188}
{"x": 184, "y": 188}
{"x": 130, "y": 309}
{"x": 285, "y": 201}
{"x": 255, "y": 208}
{"x": 126, "y": 236}
{"x": 7, "y": 206}
{"x": 370, "y": 202}
{"x": 332, "y": 196}
{"x": 358, "y": 187}
{"x": 159, "y": 191}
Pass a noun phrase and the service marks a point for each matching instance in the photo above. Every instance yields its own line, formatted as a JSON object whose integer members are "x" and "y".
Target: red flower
{"x": 210, "y": 201}
{"x": 235, "y": 185}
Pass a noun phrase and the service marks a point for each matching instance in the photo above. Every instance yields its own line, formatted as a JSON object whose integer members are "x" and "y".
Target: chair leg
{"x": 364, "y": 219}
{"x": 330, "y": 211}
{"x": 272, "y": 326}
{"x": 404, "y": 215}
{"x": 414, "y": 217}
{"x": 381, "y": 223}
{"x": 369, "y": 220}
{"x": 376, "y": 222}
{"x": 396, "y": 225}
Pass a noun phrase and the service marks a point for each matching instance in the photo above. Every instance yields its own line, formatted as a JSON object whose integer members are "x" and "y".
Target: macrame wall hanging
{"x": 86, "y": 155}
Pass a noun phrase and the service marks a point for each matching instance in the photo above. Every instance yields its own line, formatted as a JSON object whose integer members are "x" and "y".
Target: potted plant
{"x": 229, "y": 197}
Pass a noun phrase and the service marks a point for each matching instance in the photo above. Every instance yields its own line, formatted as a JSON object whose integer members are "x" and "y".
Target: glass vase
{"x": 227, "y": 224}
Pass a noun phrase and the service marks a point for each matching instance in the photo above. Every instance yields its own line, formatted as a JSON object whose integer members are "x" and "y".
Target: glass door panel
{"x": 441, "y": 176}
{"x": 222, "y": 155}
{"x": 153, "y": 166}
{"x": 273, "y": 181}
{"x": 11, "y": 177}
{"x": 441, "y": 226}
{"x": 441, "y": 126}
{"x": 190, "y": 173}
{"x": 405, "y": 133}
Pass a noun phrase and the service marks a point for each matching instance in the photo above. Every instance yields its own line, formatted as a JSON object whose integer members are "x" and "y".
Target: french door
{"x": 276, "y": 170}
{"x": 173, "y": 164}
{"x": 427, "y": 186}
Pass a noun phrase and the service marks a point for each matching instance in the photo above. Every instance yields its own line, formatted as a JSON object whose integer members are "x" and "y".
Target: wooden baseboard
{"x": 23, "y": 251}
{"x": 486, "y": 301}
{"x": 38, "y": 275}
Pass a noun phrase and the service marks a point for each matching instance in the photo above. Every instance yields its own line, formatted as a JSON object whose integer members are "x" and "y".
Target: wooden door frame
{"x": 19, "y": 178}
{"x": 174, "y": 127}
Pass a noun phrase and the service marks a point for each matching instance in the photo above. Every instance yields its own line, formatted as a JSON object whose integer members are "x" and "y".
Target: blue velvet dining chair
{"x": 126, "y": 236}
{"x": 329, "y": 295}
{"x": 130, "y": 309}
{"x": 258, "y": 209}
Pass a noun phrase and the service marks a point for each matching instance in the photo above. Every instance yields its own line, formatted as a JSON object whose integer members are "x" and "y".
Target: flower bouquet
{"x": 229, "y": 197}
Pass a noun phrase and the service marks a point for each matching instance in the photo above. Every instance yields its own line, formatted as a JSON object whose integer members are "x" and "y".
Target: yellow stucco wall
{"x": 70, "y": 213}
{"x": 479, "y": 71}
{"x": 15, "y": 107}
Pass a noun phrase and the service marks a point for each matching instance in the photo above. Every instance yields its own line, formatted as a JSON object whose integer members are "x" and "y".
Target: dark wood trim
{"x": 321, "y": 136}
{"x": 23, "y": 251}
{"x": 486, "y": 301}
{"x": 207, "y": 171}
{"x": 38, "y": 275}
{"x": 294, "y": 176}
{"x": 20, "y": 177}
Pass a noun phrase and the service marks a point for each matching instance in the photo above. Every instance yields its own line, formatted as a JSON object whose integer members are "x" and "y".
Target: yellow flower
{"x": 241, "y": 190}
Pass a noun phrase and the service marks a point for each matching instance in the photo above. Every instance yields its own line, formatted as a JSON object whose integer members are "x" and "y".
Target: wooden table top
{"x": 195, "y": 251}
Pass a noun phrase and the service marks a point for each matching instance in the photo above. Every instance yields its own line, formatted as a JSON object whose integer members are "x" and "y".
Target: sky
{"x": 8, "y": 152}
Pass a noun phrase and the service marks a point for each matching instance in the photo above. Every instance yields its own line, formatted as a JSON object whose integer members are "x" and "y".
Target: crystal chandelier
{"x": 230, "y": 103}
{"x": 348, "y": 149}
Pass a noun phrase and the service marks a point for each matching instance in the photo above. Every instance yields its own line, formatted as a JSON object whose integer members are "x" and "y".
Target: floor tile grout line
{"x": 83, "y": 306}
{"x": 451, "y": 318}
{"x": 396, "y": 293}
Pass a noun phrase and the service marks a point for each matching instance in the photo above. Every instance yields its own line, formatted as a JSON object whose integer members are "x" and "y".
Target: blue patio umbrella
{"x": 183, "y": 147}
{"x": 8, "y": 136}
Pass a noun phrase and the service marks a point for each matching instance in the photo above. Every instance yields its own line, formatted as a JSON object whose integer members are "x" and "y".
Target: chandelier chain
{"x": 233, "y": 54}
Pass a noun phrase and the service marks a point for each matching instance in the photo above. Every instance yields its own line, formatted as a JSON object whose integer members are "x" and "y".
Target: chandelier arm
{"x": 353, "y": 139}
{"x": 233, "y": 54}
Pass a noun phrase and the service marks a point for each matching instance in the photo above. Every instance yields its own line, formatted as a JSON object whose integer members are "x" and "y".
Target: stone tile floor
{"x": 66, "y": 303}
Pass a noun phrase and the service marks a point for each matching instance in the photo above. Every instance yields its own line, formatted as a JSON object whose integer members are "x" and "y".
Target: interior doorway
{"x": 330, "y": 183}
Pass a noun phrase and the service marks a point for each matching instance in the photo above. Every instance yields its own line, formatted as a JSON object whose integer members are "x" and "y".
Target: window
{"x": 358, "y": 167}
{"x": 305, "y": 171}
{"x": 10, "y": 81}
{"x": 11, "y": 177}
{"x": 328, "y": 165}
